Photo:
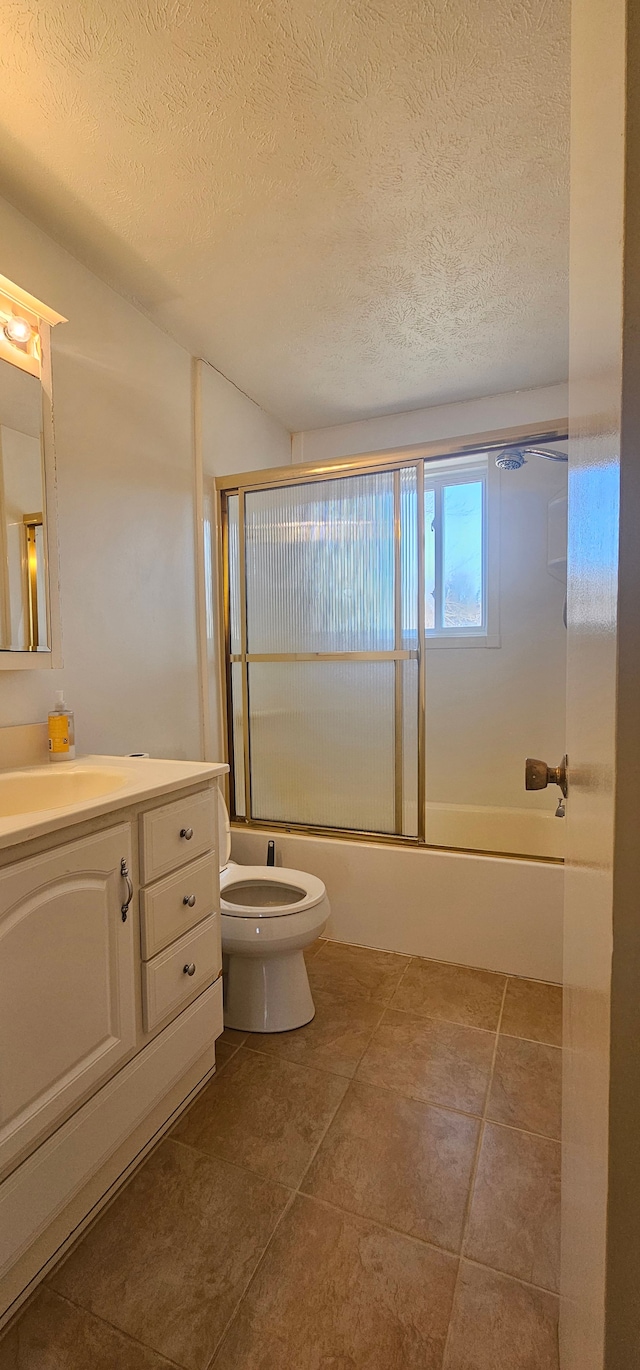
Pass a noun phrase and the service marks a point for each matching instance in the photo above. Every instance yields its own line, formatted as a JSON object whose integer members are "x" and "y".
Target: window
{"x": 456, "y": 553}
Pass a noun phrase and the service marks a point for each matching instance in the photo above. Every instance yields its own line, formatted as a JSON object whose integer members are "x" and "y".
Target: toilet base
{"x": 267, "y": 994}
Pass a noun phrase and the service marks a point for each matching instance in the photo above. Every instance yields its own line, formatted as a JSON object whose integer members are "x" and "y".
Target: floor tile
{"x": 534, "y": 1010}
{"x": 170, "y": 1258}
{"x": 231, "y": 1037}
{"x": 436, "y": 1061}
{"x": 343, "y": 970}
{"x": 456, "y": 993}
{"x": 398, "y": 1162}
{"x": 54, "y": 1335}
{"x": 334, "y": 1290}
{"x": 514, "y": 1224}
{"x": 224, "y": 1053}
{"x": 500, "y": 1324}
{"x": 334, "y": 1040}
{"x": 264, "y": 1113}
{"x": 526, "y": 1090}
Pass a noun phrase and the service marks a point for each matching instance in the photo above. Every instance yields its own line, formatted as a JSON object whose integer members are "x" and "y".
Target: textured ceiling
{"x": 348, "y": 206}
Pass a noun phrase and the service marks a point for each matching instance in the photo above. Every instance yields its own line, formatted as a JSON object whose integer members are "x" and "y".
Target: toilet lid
{"x": 224, "y": 832}
{"x": 268, "y": 891}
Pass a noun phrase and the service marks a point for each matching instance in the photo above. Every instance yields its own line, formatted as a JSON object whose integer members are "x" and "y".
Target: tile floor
{"x": 377, "y": 1191}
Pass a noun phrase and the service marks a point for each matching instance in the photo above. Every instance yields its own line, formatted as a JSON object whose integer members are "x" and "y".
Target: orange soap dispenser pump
{"x": 61, "y": 731}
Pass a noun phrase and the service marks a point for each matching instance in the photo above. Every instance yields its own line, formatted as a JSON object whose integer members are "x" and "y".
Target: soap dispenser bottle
{"x": 61, "y": 731}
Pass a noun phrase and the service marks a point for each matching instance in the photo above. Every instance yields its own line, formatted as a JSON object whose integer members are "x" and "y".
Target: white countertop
{"x": 141, "y": 778}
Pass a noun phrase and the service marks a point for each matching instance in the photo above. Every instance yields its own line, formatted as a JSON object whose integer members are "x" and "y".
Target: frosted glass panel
{"x": 322, "y": 743}
{"x": 462, "y": 555}
{"x": 409, "y": 558}
{"x": 234, "y": 573}
{"x": 238, "y": 747}
{"x": 320, "y": 566}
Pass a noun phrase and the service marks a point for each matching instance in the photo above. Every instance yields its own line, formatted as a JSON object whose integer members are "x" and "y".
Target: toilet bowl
{"x": 269, "y": 914}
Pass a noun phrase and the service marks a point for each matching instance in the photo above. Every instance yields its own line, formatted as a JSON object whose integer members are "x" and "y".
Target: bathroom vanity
{"x": 110, "y": 985}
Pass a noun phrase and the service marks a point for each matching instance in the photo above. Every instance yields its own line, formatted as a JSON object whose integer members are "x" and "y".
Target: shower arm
{"x": 549, "y": 456}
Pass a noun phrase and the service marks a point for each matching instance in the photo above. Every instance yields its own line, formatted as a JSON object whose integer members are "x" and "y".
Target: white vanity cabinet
{"x": 110, "y": 993}
{"x": 67, "y": 981}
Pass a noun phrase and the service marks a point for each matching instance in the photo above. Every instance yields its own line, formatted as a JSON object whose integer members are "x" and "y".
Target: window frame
{"x": 486, "y": 472}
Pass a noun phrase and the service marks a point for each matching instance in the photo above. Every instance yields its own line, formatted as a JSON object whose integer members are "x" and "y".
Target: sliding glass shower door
{"x": 324, "y": 584}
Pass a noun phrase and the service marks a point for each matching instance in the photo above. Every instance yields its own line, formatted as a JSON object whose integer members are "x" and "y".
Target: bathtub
{"x": 521, "y": 832}
{"x": 495, "y": 912}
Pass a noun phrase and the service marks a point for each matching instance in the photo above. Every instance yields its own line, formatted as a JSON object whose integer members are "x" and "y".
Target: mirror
{"x": 24, "y": 611}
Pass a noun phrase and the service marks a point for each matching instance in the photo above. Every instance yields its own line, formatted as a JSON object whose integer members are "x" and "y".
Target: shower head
{"x": 512, "y": 458}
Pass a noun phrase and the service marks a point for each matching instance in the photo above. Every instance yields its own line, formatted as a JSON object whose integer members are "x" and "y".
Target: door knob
{"x": 189, "y": 900}
{"x": 537, "y": 775}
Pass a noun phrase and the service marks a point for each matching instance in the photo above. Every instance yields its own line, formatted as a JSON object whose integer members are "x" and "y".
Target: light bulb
{"x": 18, "y": 330}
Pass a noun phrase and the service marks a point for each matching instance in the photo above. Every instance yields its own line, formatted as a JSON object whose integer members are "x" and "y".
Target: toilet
{"x": 269, "y": 914}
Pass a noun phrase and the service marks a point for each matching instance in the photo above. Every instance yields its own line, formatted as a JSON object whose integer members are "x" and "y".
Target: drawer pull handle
{"x": 187, "y": 833}
{"x": 189, "y": 969}
{"x": 189, "y": 900}
{"x": 124, "y": 871}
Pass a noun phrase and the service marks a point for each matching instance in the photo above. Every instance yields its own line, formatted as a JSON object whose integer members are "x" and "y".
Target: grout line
{"x": 534, "y": 1041}
{"x": 382, "y": 1227}
{"x": 235, "y": 1165}
{"x": 294, "y": 1194}
{"x": 227, "y": 1326}
{"x": 127, "y": 1336}
{"x": 433, "y": 1018}
{"x": 517, "y": 1279}
{"x": 472, "y": 1182}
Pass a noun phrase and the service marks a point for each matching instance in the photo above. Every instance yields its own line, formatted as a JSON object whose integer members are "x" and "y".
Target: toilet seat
{"x": 308, "y": 889}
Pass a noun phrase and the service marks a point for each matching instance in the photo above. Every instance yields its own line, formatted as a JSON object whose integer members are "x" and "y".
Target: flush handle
{"x": 187, "y": 833}
{"x": 189, "y": 900}
{"x": 537, "y": 775}
{"x": 189, "y": 969}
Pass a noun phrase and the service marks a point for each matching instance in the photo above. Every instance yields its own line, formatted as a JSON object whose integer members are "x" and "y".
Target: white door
{"x": 67, "y": 991}
{"x": 600, "y": 1308}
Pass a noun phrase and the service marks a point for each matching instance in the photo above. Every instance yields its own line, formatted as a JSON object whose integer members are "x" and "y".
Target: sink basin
{"x": 56, "y": 787}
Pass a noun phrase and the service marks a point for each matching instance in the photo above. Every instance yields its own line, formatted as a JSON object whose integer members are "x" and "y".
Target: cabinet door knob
{"x": 190, "y": 900}
{"x": 187, "y": 833}
{"x": 189, "y": 969}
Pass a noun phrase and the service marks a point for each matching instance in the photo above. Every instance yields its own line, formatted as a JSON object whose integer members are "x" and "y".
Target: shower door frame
{"x": 271, "y": 478}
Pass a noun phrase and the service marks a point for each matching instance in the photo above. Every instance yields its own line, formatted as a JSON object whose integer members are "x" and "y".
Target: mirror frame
{"x": 38, "y": 364}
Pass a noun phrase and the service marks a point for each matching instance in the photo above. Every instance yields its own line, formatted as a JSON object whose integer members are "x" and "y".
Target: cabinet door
{"x": 67, "y": 982}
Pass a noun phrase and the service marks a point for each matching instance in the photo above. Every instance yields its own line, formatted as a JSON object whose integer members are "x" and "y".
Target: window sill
{"x": 463, "y": 641}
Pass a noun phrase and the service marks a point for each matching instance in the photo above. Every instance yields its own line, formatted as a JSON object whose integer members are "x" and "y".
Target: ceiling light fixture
{"x": 18, "y": 330}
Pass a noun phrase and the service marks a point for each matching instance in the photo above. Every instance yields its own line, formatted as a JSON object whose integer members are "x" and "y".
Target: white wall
{"x": 428, "y": 425}
{"x": 236, "y": 435}
{"x": 122, "y": 404}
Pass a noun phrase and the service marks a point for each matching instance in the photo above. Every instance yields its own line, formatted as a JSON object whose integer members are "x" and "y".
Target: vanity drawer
{"x": 165, "y": 908}
{"x": 165, "y": 840}
{"x": 166, "y": 985}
